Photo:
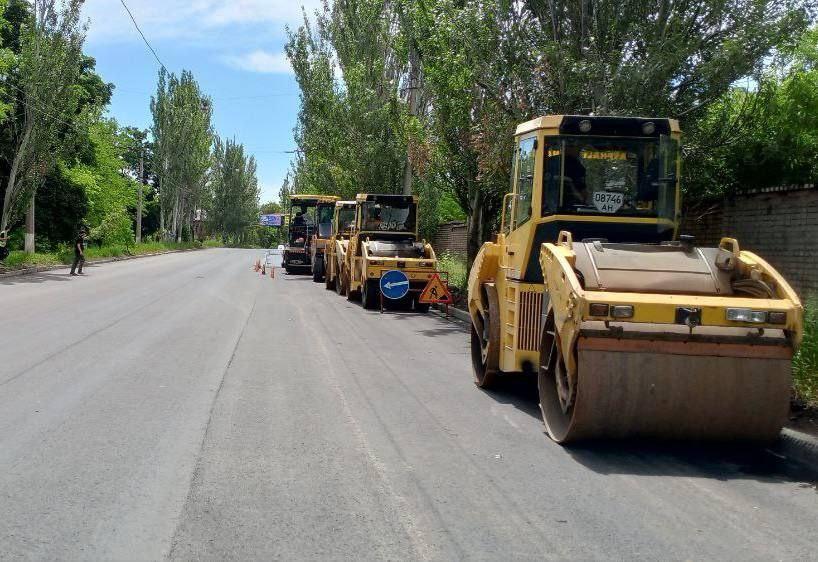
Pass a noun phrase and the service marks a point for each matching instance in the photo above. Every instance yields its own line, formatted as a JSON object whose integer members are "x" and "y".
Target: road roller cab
{"x": 302, "y": 228}
{"x": 630, "y": 329}
{"x": 386, "y": 238}
{"x": 343, "y": 225}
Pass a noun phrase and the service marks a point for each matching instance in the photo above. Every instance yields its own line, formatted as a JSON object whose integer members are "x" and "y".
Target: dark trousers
{"x": 79, "y": 260}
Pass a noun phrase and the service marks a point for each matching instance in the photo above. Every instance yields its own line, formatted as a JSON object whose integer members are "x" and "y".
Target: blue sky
{"x": 235, "y": 50}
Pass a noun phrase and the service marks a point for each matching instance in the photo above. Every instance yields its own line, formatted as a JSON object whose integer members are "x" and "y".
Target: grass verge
{"x": 22, "y": 260}
{"x": 455, "y": 264}
{"x": 805, "y": 362}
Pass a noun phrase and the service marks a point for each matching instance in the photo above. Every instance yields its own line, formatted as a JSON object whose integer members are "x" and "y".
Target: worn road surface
{"x": 183, "y": 407}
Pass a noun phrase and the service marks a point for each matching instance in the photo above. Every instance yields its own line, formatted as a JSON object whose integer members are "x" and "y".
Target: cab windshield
{"x": 324, "y": 219}
{"x": 622, "y": 176}
{"x": 398, "y": 217}
{"x": 346, "y": 219}
{"x": 302, "y": 224}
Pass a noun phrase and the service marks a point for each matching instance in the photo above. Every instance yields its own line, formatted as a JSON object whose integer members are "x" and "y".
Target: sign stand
{"x": 436, "y": 292}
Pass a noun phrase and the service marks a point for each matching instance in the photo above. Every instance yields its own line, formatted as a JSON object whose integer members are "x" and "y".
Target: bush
{"x": 805, "y": 362}
{"x": 455, "y": 264}
{"x": 18, "y": 259}
{"x": 114, "y": 230}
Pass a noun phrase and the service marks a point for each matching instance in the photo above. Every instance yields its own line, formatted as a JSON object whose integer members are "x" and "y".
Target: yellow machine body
{"x": 304, "y": 232}
{"x": 630, "y": 330}
{"x": 385, "y": 238}
{"x": 343, "y": 225}
{"x": 322, "y": 234}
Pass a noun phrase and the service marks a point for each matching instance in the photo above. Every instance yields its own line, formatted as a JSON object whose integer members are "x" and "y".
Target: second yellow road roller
{"x": 631, "y": 329}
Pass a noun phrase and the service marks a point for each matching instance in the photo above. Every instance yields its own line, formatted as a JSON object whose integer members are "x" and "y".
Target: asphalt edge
{"x": 454, "y": 313}
{"x": 42, "y": 268}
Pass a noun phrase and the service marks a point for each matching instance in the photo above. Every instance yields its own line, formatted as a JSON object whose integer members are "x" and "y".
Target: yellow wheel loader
{"x": 631, "y": 330}
{"x": 386, "y": 238}
{"x": 321, "y": 236}
{"x": 343, "y": 224}
{"x": 302, "y": 228}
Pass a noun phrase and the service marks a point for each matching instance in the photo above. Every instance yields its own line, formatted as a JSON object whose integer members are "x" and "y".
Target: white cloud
{"x": 260, "y": 61}
{"x": 162, "y": 19}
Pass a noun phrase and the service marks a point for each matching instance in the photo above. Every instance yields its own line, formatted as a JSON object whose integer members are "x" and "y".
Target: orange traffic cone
{"x": 273, "y": 272}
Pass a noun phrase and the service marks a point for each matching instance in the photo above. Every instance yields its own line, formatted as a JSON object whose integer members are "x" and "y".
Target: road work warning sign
{"x": 435, "y": 292}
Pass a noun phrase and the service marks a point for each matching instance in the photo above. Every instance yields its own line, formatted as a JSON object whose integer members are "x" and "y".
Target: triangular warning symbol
{"x": 435, "y": 292}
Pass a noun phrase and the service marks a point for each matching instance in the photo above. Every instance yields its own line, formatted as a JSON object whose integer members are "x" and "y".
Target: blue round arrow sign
{"x": 394, "y": 284}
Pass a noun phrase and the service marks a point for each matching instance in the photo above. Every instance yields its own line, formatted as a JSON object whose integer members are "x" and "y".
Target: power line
{"x": 35, "y": 107}
{"x": 136, "y": 25}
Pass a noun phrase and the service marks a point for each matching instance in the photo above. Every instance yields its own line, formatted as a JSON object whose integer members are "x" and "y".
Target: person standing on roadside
{"x": 79, "y": 254}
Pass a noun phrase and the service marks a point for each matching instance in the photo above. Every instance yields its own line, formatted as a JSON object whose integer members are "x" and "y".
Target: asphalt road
{"x": 184, "y": 407}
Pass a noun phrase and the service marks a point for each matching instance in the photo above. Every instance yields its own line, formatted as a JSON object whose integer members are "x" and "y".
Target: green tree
{"x": 235, "y": 191}
{"x": 110, "y": 192}
{"x": 183, "y": 135}
{"x": 350, "y": 129}
{"x": 762, "y": 136}
{"x": 45, "y": 99}
{"x": 270, "y": 208}
{"x": 489, "y": 64}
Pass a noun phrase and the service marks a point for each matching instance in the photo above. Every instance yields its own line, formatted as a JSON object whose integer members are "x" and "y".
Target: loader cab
{"x": 610, "y": 178}
{"x": 309, "y": 215}
{"x": 343, "y": 220}
{"x": 324, "y": 211}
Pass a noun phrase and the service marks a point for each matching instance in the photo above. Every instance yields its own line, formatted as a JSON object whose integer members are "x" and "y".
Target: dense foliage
{"x": 440, "y": 84}
{"x": 235, "y": 191}
{"x": 183, "y": 137}
{"x": 80, "y": 170}
{"x": 42, "y": 97}
{"x": 765, "y": 135}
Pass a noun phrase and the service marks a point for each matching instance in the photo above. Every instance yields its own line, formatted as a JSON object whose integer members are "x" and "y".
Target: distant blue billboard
{"x": 269, "y": 220}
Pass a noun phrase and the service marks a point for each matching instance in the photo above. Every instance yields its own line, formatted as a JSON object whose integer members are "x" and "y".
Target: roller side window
{"x": 524, "y": 187}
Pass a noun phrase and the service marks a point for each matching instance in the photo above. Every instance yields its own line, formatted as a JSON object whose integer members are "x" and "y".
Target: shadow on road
{"x": 518, "y": 390}
{"x": 441, "y": 326}
{"x": 717, "y": 461}
{"x": 30, "y": 278}
{"x": 292, "y": 276}
{"x": 697, "y": 460}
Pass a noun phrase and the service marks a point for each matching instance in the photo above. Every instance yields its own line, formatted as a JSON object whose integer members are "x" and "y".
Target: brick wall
{"x": 451, "y": 237}
{"x": 779, "y": 224}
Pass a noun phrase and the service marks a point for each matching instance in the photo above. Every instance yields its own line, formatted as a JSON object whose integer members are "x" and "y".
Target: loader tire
{"x": 318, "y": 269}
{"x": 485, "y": 342}
{"x": 351, "y": 295}
{"x": 369, "y": 294}
{"x": 340, "y": 284}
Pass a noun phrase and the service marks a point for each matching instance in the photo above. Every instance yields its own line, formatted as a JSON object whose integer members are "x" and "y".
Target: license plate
{"x": 608, "y": 202}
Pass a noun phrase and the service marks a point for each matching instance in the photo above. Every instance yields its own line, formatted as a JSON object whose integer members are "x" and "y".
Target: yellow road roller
{"x": 386, "y": 238}
{"x": 343, "y": 225}
{"x": 631, "y": 329}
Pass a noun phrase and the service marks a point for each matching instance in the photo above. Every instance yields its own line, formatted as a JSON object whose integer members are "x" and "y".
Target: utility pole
{"x": 29, "y": 238}
{"x": 139, "y": 201}
{"x": 413, "y": 101}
